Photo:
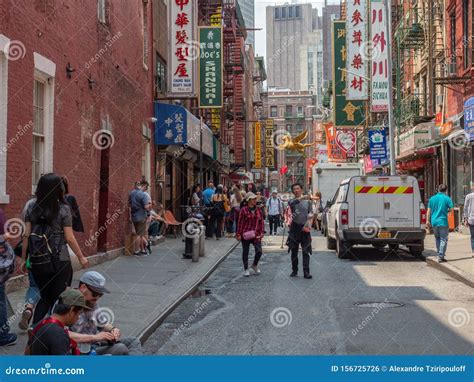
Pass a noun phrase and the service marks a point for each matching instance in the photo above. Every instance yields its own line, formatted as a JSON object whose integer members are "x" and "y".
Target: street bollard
{"x": 202, "y": 240}
{"x": 196, "y": 245}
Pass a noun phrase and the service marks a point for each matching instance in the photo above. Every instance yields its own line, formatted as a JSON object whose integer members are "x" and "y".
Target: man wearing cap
{"x": 274, "y": 211}
{"x": 95, "y": 326}
{"x": 50, "y": 337}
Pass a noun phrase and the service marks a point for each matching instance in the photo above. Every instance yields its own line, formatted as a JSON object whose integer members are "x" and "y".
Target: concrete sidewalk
{"x": 143, "y": 290}
{"x": 460, "y": 263}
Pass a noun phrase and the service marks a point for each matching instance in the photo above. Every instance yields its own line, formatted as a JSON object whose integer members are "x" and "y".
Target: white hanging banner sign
{"x": 183, "y": 47}
{"x": 379, "y": 65}
{"x": 357, "y": 81}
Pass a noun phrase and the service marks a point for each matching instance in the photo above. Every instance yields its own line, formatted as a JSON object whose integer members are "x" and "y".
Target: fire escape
{"x": 414, "y": 47}
{"x": 233, "y": 111}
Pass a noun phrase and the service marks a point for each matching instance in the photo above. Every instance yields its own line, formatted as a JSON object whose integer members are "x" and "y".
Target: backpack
{"x": 7, "y": 261}
{"x": 280, "y": 209}
{"x": 219, "y": 208}
{"x": 42, "y": 246}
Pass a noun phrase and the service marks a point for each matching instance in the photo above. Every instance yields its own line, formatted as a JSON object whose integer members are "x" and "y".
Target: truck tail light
{"x": 422, "y": 214}
{"x": 344, "y": 216}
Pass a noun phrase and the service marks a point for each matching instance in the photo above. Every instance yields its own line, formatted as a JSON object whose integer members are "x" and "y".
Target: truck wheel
{"x": 331, "y": 243}
{"x": 342, "y": 248}
{"x": 394, "y": 247}
{"x": 417, "y": 251}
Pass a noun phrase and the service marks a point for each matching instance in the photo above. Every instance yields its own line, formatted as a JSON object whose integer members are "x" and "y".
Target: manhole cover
{"x": 200, "y": 293}
{"x": 379, "y": 305}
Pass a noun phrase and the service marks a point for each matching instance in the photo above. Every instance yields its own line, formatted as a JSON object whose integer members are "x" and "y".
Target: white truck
{"x": 326, "y": 178}
{"x": 379, "y": 211}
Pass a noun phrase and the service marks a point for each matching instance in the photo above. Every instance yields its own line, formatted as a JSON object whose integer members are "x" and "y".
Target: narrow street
{"x": 274, "y": 314}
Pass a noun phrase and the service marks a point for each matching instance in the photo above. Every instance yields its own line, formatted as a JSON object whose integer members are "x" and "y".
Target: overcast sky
{"x": 260, "y": 16}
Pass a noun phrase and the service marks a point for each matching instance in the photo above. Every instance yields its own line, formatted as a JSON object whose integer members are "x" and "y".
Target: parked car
{"x": 379, "y": 211}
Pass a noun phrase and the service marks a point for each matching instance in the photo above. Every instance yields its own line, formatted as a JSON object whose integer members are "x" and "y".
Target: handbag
{"x": 251, "y": 235}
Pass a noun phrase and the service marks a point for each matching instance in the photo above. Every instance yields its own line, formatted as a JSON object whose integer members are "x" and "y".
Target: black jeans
{"x": 51, "y": 285}
{"x": 215, "y": 225}
{"x": 246, "y": 249}
{"x": 274, "y": 221}
{"x": 297, "y": 237}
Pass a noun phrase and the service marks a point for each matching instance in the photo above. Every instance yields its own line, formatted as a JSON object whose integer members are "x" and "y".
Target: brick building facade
{"x": 73, "y": 76}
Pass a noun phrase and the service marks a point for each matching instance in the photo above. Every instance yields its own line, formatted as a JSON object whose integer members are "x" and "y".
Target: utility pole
{"x": 391, "y": 119}
{"x": 201, "y": 175}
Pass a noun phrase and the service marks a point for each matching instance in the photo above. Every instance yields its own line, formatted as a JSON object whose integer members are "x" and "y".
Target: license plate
{"x": 384, "y": 235}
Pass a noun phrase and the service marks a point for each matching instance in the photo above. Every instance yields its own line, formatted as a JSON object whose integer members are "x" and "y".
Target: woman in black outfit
{"x": 50, "y": 208}
{"x": 77, "y": 225}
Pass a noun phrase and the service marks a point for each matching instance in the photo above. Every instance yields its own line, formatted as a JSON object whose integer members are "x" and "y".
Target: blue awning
{"x": 469, "y": 118}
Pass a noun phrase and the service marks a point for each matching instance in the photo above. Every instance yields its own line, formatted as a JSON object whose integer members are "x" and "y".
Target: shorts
{"x": 140, "y": 227}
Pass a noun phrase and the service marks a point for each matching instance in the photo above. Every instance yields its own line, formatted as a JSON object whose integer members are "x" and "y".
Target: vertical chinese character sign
{"x": 346, "y": 113}
{"x": 171, "y": 124}
{"x": 357, "y": 82}
{"x": 183, "y": 49}
{"x": 379, "y": 65}
{"x": 210, "y": 67}
{"x": 269, "y": 146}
{"x": 258, "y": 145}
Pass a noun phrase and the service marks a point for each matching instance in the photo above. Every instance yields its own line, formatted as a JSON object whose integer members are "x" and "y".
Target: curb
{"x": 151, "y": 328}
{"x": 450, "y": 270}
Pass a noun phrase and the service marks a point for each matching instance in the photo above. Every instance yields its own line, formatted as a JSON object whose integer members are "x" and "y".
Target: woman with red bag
{"x": 250, "y": 231}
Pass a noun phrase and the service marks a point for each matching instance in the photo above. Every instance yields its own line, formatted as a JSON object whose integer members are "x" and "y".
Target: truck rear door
{"x": 368, "y": 202}
{"x": 398, "y": 200}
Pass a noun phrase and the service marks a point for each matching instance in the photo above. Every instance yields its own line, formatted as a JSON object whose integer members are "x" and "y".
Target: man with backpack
{"x": 50, "y": 336}
{"x": 7, "y": 267}
{"x": 274, "y": 211}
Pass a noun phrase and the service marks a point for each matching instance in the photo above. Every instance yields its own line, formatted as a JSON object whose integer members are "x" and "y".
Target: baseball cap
{"x": 250, "y": 195}
{"x": 95, "y": 281}
{"x": 73, "y": 297}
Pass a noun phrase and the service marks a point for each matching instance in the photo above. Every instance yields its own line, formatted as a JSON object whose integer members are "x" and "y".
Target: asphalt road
{"x": 272, "y": 313}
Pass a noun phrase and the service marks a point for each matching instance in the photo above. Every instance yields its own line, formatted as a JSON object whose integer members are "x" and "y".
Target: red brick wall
{"x": 70, "y": 32}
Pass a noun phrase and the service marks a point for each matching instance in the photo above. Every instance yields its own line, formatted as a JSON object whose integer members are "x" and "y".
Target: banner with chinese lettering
{"x": 346, "y": 113}
{"x": 183, "y": 49}
{"x": 379, "y": 69}
{"x": 269, "y": 146}
{"x": 258, "y": 145}
{"x": 357, "y": 82}
{"x": 469, "y": 119}
{"x": 215, "y": 121}
{"x": 334, "y": 151}
{"x": 210, "y": 67}
{"x": 171, "y": 124}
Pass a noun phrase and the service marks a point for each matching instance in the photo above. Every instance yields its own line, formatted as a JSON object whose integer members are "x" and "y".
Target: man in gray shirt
{"x": 468, "y": 214}
{"x": 299, "y": 232}
{"x": 139, "y": 203}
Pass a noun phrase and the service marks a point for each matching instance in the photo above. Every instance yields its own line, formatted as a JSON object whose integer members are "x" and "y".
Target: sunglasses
{"x": 94, "y": 293}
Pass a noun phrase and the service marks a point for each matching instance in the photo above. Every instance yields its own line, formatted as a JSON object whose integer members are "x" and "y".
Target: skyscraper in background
{"x": 330, "y": 12}
{"x": 248, "y": 12}
{"x": 287, "y": 28}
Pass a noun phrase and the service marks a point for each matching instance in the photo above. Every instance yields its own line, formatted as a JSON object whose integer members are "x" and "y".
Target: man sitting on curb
{"x": 90, "y": 328}
{"x": 50, "y": 337}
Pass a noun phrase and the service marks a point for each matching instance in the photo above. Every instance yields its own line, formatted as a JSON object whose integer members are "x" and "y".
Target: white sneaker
{"x": 256, "y": 269}
{"x": 246, "y": 273}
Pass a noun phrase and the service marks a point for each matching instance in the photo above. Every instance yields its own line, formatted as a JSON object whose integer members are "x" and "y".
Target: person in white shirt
{"x": 274, "y": 212}
{"x": 468, "y": 214}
